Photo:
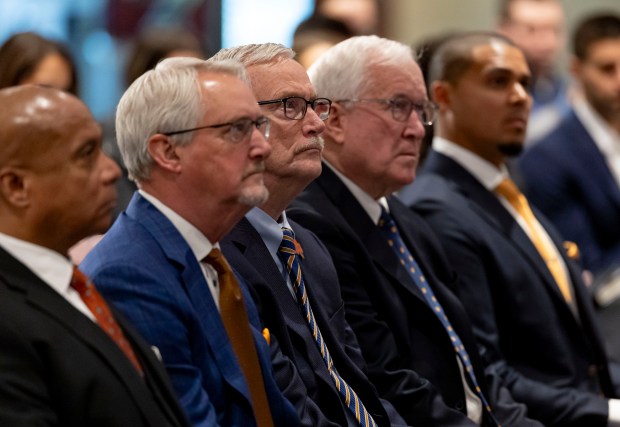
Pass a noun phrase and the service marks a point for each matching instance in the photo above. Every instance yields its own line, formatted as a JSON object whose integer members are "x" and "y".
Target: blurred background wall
{"x": 99, "y": 33}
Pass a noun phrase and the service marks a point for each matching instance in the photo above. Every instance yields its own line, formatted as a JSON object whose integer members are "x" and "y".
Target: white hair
{"x": 165, "y": 99}
{"x": 342, "y": 71}
{"x": 255, "y": 54}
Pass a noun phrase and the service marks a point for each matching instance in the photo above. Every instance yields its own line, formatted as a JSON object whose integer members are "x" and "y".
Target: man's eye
{"x": 238, "y": 127}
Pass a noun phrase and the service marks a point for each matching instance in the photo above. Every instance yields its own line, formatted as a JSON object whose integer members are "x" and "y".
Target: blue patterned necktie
{"x": 288, "y": 254}
{"x": 389, "y": 229}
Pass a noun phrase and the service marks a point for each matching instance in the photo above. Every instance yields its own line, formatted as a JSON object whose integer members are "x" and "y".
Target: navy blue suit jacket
{"x": 551, "y": 360}
{"x": 400, "y": 336}
{"x": 247, "y": 253}
{"x": 145, "y": 267}
{"x": 568, "y": 179}
{"x": 59, "y": 368}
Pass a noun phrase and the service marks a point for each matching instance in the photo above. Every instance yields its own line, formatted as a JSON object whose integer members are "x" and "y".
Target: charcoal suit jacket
{"x": 400, "y": 336}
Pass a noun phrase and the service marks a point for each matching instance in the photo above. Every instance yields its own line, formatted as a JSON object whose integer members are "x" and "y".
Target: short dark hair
{"x": 23, "y": 52}
{"x": 593, "y": 29}
{"x": 155, "y": 44}
{"x": 454, "y": 56}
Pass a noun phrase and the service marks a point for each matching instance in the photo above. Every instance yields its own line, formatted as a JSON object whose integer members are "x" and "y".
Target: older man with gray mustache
{"x": 294, "y": 283}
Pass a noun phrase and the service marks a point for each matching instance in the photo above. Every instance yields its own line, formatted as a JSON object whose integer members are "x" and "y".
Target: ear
{"x": 440, "y": 92}
{"x": 576, "y": 67}
{"x": 164, "y": 152}
{"x": 335, "y": 124}
{"x": 14, "y": 187}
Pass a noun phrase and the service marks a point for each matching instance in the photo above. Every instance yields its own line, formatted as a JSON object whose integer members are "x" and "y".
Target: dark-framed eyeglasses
{"x": 238, "y": 130}
{"x": 402, "y": 107}
{"x": 295, "y": 107}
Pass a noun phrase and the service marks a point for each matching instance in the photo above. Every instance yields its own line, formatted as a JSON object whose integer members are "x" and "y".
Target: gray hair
{"x": 165, "y": 99}
{"x": 342, "y": 71}
{"x": 255, "y": 54}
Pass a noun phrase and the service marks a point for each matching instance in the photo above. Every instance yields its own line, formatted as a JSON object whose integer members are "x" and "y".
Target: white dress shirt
{"x": 51, "y": 267}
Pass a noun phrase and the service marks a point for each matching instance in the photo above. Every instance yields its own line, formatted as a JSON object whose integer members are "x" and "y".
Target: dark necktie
{"x": 237, "y": 325}
{"x": 288, "y": 254}
{"x": 98, "y": 307}
{"x": 388, "y": 227}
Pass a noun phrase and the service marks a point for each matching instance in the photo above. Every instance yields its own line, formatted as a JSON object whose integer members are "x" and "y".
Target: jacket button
{"x": 592, "y": 371}
{"x": 459, "y": 404}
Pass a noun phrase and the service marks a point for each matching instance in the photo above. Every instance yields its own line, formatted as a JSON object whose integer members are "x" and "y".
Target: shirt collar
{"x": 198, "y": 242}
{"x": 51, "y": 267}
{"x": 269, "y": 229}
{"x": 371, "y": 206}
{"x": 489, "y": 175}
{"x": 604, "y": 136}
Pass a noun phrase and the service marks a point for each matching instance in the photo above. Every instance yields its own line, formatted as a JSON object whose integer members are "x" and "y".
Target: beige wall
{"x": 410, "y": 21}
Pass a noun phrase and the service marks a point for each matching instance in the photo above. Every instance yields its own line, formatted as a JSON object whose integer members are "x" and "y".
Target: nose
{"x": 414, "y": 126}
{"x": 520, "y": 94}
{"x": 111, "y": 172}
{"x": 312, "y": 124}
{"x": 260, "y": 147}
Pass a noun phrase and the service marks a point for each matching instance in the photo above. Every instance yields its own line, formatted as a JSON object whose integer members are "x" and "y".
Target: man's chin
{"x": 511, "y": 149}
{"x": 254, "y": 196}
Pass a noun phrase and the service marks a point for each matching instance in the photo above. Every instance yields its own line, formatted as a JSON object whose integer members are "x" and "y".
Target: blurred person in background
{"x": 315, "y": 35}
{"x": 538, "y": 28}
{"x": 573, "y": 174}
{"x": 30, "y": 58}
{"x": 361, "y": 16}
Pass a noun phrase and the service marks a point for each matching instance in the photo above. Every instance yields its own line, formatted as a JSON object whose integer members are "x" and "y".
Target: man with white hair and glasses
{"x": 195, "y": 141}
{"x": 394, "y": 278}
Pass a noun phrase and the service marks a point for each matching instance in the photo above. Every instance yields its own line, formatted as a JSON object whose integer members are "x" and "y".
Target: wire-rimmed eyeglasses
{"x": 402, "y": 107}
{"x": 238, "y": 130}
{"x": 295, "y": 107}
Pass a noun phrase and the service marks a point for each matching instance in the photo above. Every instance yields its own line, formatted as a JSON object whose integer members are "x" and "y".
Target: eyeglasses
{"x": 402, "y": 107}
{"x": 238, "y": 130}
{"x": 295, "y": 107}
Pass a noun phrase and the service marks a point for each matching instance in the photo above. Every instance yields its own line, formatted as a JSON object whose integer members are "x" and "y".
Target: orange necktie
{"x": 98, "y": 307}
{"x": 237, "y": 325}
{"x": 511, "y": 193}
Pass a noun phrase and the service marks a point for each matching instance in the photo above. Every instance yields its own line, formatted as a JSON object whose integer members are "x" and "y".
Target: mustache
{"x": 314, "y": 143}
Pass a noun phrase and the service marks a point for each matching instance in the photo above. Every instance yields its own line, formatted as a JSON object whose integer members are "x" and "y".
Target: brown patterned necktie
{"x": 511, "y": 193}
{"x": 237, "y": 325}
{"x": 98, "y": 307}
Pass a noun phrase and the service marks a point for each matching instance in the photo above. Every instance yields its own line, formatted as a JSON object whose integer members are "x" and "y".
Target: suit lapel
{"x": 582, "y": 149}
{"x": 194, "y": 284}
{"x": 370, "y": 235}
{"x": 492, "y": 211}
{"x": 248, "y": 241}
{"x": 43, "y": 298}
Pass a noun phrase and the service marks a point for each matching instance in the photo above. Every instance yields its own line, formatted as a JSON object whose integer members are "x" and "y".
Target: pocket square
{"x": 572, "y": 250}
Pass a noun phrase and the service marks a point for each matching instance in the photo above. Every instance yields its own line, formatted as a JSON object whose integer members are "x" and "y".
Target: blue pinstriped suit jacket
{"x": 148, "y": 271}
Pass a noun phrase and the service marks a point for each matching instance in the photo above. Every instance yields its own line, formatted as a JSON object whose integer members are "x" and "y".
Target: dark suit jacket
{"x": 148, "y": 270}
{"x": 568, "y": 179}
{"x": 247, "y": 253}
{"x": 59, "y": 368}
{"x": 399, "y": 334}
{"x": 552, "y": 361}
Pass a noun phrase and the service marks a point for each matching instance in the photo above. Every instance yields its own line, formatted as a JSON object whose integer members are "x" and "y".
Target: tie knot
{"x": 216, "y": 260}
{"x": 287, "y": 245}
{"x": 508, "y": 189}
{"x": 79, "y": 281}
{"x": 385, "y": 220}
